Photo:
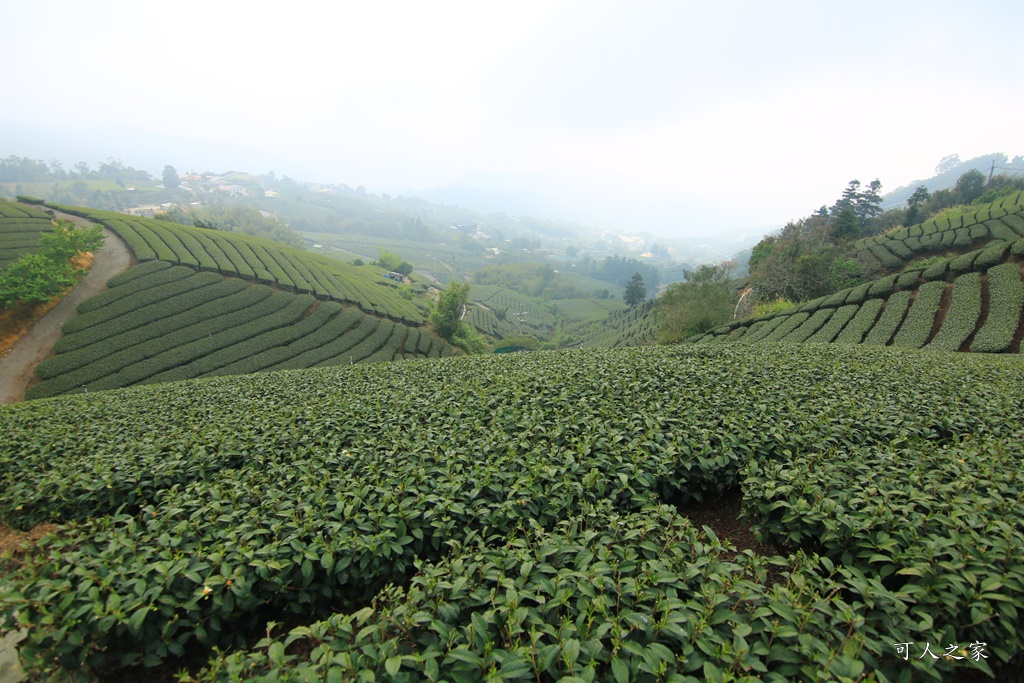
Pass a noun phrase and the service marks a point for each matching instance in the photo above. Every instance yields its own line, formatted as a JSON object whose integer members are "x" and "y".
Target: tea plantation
{"x": 258, "y": 259}
{"x": 20, "y": 228}
{"x": 967, "y": 302}
{"x": 517, "y": 518}
{"x": 1002, "y": 220}
{"x": 158, "y": 323}
{"x": 206, "y": 302}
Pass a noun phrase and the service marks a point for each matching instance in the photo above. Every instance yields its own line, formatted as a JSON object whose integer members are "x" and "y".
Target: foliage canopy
{"x": 38, "y": 277}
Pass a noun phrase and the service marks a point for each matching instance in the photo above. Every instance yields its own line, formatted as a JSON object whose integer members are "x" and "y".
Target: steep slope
{"x": 632, "y": 326}
{"x": 205, "y": 302}
{"x": 971, "y": 298}
{"x": 259, "y": 260}
{"x": 892, "y": 251}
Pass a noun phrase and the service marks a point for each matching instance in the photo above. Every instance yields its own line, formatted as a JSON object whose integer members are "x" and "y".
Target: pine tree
{"x": 846, "y": 225}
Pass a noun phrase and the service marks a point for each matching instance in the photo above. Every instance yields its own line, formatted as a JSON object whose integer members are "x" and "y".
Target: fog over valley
{"x": 712, "y": 124}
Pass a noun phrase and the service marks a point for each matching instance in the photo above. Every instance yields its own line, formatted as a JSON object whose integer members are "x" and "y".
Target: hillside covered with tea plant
{"x": 953, "y": 285}
{"x": 205, "y": 302}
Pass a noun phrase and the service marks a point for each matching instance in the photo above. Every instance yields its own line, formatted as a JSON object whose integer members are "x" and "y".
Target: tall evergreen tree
{"x": 635, "y": 292}
{"x": 171, "y": 179}
{"x": 846, "y": 225}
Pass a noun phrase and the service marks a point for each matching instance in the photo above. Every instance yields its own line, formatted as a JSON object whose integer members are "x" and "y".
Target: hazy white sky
{"x": 674, "y": 115}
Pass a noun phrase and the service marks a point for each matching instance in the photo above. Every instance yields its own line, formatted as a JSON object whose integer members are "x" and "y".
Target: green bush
{"x": 889, "y": 321}
{"x": 402, "y": 516}
{"x": 809, "y": 326}
{"x": 788, "y": 324}
{"x": 831, "y": 329}
{"x": 861, "y": 323}
{"x": 1005, "y": 303}
{"x": 882, "y": 287}
{"x": 39, "y": 276}
{"x": 962, "y": 317}
{"x": 174, "y": 285}
{"x": 992, "y": 255}
{"x": 920, "y": 320}
{"x": 149, "y": 274}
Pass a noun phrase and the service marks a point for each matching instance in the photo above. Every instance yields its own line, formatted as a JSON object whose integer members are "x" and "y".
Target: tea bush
{"x": 197, "y": 511}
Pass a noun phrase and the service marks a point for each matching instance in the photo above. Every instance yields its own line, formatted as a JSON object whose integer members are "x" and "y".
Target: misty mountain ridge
{"x": 692, "y": 224}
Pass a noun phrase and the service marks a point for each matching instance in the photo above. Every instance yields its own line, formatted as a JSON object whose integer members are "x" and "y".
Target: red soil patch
{"x": 722, "y": 516}
{"x": 14, "y": 543}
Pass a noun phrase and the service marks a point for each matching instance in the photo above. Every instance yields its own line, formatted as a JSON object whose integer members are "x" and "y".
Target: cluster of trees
{"x": 808, "y": 258}
{"x": 854, "y": 211}
{"x": 619, "y": 270}
{"x": 15, "y": 169}
{"x": 971, "y": 188}
{"x": 39, "y": 276}
{"x": 393, "y": 262}
{"x": 813, "y": 256}
{"x": 105, "y": 187}
{"x": 704, "y": 300}
{"x": 447, "y": 318}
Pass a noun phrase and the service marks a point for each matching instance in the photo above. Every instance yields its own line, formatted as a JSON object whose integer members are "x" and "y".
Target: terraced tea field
{"x": 634, "y": 326}
{"x": 159, "y": 322}
{"x": 968, "y": 302}
{"x": 219, "y": 303}
{"x": 20, "y": 228}
{"x": 258, "y": 259}
{"x": 1003, "y": 220}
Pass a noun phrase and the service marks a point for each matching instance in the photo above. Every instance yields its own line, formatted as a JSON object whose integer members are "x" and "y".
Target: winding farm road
{"x": 17, "y": 367}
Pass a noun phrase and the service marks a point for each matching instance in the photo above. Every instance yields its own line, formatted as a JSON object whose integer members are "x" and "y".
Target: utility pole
{"x": 991, "y": 171}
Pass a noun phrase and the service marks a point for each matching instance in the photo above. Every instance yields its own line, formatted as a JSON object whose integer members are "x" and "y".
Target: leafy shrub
{"x": 39, "y": 276}
{"x": 920, "y": 320}
{"x": 962, "y": 317}
{"x": 203, "y": 507}
{"x": 1006, "y": 301}
{"x": 831, "y": 329}
{"x": 892, "y": 315}
{"x": 862, "y": 322}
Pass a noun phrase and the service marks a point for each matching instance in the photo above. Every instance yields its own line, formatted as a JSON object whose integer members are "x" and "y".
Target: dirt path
{"x": 17, "y": 367}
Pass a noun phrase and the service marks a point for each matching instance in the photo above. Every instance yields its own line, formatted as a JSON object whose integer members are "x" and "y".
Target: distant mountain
{"x": 948, "y": 178}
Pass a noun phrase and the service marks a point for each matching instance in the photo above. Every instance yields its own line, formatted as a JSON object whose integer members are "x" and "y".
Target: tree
{"x": 846, "y": 226}
{"x": 447, "y": 315}
{"x": 38, "y": 277}
{"x": 800, "y": 262}
{"x": 948, "y": 163}
{"x": 171, "y": 179}
{"x": 919, "y": 196}
{"x": 869, "y": 202}
{"x": 969, "y": 186}
{"x": 915, "y": 205}
{"x": 704, "y": 300}
{"x": 866, "y": 204}
{"x": 635, "y": 291}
